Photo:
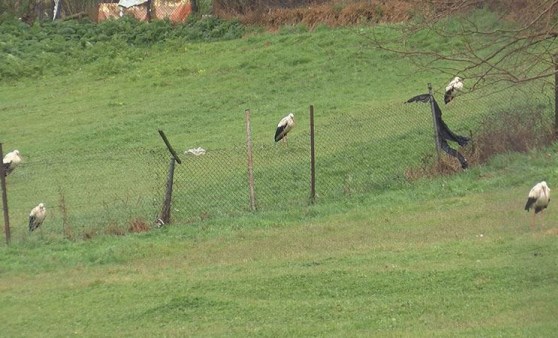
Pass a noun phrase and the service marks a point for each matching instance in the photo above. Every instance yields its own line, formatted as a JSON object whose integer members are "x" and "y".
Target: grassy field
{"x": 452, "y": 256}
{"x": 446, "y": 256}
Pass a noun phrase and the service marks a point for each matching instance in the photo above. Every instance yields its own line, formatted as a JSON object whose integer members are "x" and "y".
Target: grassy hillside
{"x": 88, "y": 128}
{"x": 453, "y": 256}
{"x": 377, "y": 255}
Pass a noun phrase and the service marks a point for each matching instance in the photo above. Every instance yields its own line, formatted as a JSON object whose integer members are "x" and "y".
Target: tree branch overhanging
{"x": 520, "y": 49}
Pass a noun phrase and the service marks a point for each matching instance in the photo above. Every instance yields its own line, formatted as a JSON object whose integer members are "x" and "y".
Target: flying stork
{"x": 539, "y": 197}
{"x": 452, "y": 88}
{"x": 285, "y": 125}
{"x": 37, "y": 216}
{"x": 11, "y": 161}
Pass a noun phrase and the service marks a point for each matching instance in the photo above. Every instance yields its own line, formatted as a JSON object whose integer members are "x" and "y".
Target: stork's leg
{"x": 285, "y": 141}
{"x": 533, "y": 221}
{"x": 542, "y": 218}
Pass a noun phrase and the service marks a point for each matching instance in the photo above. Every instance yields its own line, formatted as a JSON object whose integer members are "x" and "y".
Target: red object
{"x": 174, "y": 11}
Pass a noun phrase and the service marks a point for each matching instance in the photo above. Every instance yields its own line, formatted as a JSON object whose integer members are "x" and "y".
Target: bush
{"x": 520, "y": 130}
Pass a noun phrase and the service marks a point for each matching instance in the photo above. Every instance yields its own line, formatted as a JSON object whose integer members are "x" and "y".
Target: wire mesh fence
{"x": 98, "y": 192}
{"x": 378, "y": 148}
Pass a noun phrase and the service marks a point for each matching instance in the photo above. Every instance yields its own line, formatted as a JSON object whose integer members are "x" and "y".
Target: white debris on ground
{"x": 195, "y": 151}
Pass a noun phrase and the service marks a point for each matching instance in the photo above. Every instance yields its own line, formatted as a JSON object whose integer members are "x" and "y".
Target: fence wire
{"x": 88, "y": 192}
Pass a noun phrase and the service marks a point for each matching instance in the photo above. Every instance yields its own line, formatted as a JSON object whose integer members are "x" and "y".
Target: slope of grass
{"x": 93, "y": 123}
{"x": 447, "y": 256}
{"x": 453, "y": 256}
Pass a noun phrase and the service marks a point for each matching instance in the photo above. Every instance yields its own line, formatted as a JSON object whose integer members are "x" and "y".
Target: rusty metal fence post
{"x": 4, "y": 198}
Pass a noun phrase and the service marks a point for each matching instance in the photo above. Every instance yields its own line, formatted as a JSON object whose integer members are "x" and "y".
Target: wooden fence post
{"x": 312, "y": 158}
{"x": 4, "y": 198}
{"x": 166, "y": 210}
{"x": 252, "y": 190}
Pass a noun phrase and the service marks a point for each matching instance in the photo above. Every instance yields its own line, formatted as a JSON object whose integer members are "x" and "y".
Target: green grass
{"x": 400, "y": 262}
{"x": 375, "y": 256}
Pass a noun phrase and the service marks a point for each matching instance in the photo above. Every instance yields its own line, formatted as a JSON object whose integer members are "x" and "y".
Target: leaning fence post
{"x": 436, "y": 134}
{"x": 249, "y": 151}
{"x": 312, "y": 158}
{"x": 166, "y": 210}
{"x": 4, "y": 198}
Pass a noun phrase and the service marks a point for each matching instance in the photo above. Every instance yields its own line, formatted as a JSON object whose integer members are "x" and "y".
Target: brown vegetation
{"x": 520, "y": 130}
{"x": 138, "y": 225}
{"x": 330, "y": 13}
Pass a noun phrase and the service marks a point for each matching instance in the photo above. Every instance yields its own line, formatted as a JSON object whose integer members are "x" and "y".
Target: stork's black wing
{"x": 32, "y": 223}
{"x": 448, "y": 96}
{"x": 279, "y": 132}
{"x": 530, "y": 202}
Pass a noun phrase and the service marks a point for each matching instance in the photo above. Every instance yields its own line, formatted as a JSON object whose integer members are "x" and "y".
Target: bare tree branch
{"x": 519, "y": 45}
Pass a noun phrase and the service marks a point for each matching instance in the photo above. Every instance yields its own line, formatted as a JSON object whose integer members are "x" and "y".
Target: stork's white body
{"x": 452, "y": 88}
{"x": 37, "y": 216}
{"x": 538, "y": 199}
{"x": 284, "y": 127}
{"x": 10, "y": 161}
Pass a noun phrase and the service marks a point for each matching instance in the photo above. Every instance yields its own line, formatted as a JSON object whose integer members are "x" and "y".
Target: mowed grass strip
{"x": 385, "y": 265}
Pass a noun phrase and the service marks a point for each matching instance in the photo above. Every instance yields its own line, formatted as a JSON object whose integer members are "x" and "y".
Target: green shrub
{"x": 28, "y": 51}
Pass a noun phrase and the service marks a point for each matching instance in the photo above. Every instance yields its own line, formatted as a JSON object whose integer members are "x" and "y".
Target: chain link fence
{"x": 356, "y": 153}
{"x": 379, "y": 148}
{"x": 100, "y": 192}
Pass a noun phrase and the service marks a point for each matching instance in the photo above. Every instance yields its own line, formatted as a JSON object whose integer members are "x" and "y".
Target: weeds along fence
{"x": 378, "y": 148}
{"x": 100, "y": 192}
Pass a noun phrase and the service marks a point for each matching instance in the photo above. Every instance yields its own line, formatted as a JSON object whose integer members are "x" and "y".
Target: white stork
{"x": 11, "y": 161}
{"x": 37, "y": 216}
{"x": 452, "y": 88}
{"x": 285, "y": 125}
{"x": 539, "y": 197}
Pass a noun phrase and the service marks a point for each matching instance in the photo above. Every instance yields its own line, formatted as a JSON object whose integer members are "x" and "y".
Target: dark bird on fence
{"x": 37, "y": 216}
{"x": 539, "y": 197}
{"x": 284, "y": 127}
{"x": 452, "y": 88}
{"x": 11, "y": 161}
